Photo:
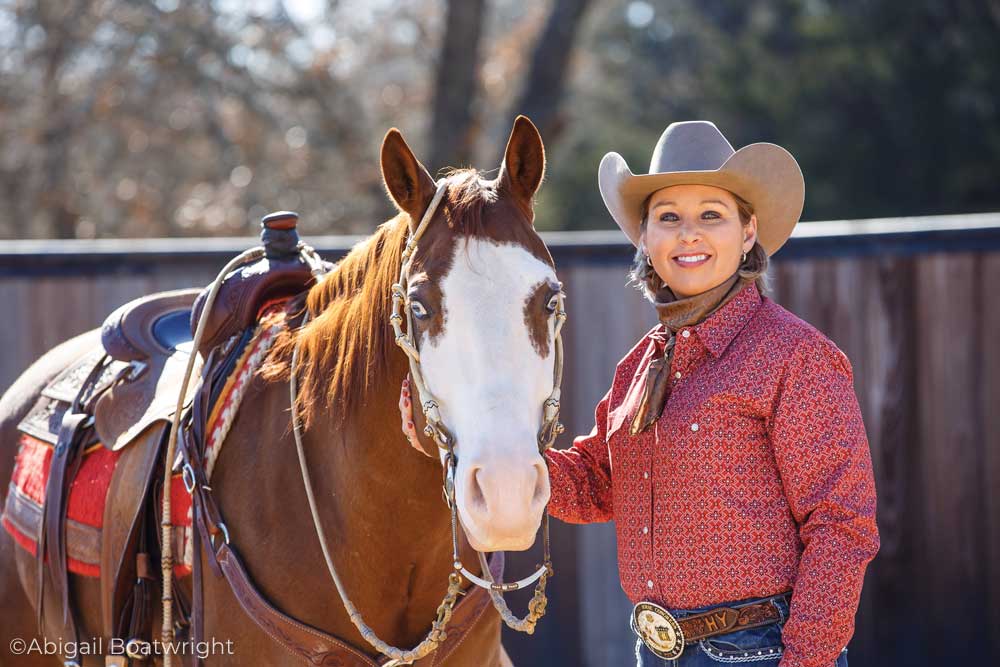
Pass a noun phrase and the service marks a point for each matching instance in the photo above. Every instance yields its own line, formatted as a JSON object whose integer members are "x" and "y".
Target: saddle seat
{"x": 151, "y": 325}
{"x": 155, "y": 333}
{"x": 152, "y": 336}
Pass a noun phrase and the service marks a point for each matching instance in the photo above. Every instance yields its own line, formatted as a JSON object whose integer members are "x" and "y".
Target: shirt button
{"x": 694, "y": 427}
{"x": 645, "y": 475}
{"x": 649, "y": 584}
{"x": 645, "y": 529}
{"x": 677, "y": 374}
{"x": 686, "y": 333}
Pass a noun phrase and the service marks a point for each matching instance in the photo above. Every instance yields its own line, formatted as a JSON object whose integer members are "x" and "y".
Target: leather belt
{"x": 667, "y": 636}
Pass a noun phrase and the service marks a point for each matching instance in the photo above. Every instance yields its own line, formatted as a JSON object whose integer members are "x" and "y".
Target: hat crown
{"x": 694, "y": 145}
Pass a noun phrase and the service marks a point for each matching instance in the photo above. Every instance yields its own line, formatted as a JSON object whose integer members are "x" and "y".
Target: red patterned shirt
{"x": 756, "y": 479}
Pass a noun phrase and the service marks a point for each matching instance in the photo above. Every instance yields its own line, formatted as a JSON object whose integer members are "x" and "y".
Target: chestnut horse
{"x": 481, "y": 290}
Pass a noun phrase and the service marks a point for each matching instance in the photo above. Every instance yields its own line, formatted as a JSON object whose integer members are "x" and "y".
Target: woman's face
{"x": 695, "y": 222}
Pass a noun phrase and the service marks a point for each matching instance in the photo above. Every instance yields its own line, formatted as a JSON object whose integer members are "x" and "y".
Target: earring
{"x": 744, "y": 256}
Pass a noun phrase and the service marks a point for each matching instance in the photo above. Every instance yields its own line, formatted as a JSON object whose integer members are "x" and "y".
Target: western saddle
{"x": 124, "y": 395}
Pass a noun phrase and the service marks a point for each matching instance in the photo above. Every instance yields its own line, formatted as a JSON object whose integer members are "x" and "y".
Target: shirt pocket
{"x": 720, "y": 436}
{"x": 728, "y": 420}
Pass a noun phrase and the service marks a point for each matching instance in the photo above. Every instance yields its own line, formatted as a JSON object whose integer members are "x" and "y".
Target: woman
{"x": 729, "y": 449}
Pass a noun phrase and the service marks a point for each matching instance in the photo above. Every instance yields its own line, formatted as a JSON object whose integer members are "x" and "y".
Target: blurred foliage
{"x": 891, "y": 108}
{"x": 168, "y": 117}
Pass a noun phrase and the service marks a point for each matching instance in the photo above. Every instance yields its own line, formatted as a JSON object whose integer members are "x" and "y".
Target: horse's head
{"x": 482, "y": 291}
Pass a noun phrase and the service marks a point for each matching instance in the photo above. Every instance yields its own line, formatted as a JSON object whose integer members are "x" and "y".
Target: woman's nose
{"x": 688, "y": 231}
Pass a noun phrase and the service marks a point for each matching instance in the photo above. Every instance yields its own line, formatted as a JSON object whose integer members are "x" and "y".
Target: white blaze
{"x": 491, "y": 383}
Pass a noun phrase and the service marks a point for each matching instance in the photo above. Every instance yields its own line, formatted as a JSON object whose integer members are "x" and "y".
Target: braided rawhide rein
{"x": 436, "y": 635}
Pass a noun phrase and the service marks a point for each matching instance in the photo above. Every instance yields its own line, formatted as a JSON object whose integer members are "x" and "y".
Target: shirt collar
{"x": 719, "y": 328}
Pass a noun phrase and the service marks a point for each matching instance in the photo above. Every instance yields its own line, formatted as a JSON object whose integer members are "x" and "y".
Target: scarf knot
{"x": 675, "y": 314}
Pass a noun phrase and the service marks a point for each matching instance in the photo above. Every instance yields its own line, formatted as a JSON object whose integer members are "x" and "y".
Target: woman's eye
{"x": 710, "y": 215}
{"x": 418, "y": 309}
{"x": 668, "y": 217}
{"x": 552, "y": 304}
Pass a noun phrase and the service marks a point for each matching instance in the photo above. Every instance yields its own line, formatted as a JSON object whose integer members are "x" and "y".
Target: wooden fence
{"x": 907, "y": 300}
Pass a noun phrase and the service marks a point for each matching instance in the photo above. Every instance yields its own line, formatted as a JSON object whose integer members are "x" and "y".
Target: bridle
{"x": 436, "y": 429}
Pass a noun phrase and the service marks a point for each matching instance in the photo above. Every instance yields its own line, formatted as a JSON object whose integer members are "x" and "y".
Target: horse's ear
{"x": 523, "y": 162}
{"x": 407, "y": 181}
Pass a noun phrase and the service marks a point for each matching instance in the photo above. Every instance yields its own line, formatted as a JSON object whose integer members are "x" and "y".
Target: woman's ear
{"x": 750, "y": 233}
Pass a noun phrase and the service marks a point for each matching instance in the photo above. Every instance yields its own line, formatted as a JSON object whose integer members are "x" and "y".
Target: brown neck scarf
{"x": 675, "y": 314}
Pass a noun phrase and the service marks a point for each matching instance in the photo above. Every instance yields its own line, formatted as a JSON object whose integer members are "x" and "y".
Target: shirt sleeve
{"x": 823, "y": 455}
{"x": 580, "y": 477}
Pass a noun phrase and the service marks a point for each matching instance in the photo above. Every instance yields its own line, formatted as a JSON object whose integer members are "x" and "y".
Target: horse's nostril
{"x": 476, "y": 496}
{"x": 541, "y": 494}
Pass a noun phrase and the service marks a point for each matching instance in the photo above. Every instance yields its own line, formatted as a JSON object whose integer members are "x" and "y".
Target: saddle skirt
{"x": 95, "y": 489}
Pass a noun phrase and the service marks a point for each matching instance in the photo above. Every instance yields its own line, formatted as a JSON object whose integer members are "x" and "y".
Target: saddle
{"x": 124, "y": 395}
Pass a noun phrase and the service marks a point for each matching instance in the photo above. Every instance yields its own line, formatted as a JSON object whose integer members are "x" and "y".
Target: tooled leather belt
{"x": 721, "y": 620}
{"x": 666, "y": 636}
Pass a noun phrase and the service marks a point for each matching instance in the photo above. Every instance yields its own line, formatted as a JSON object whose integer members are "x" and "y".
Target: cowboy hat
{"x": 695, "y": 152}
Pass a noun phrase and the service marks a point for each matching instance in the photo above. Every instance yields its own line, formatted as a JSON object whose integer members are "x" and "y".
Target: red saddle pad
{"x": 85, "y": 507}
{"x": 89, "y": 491}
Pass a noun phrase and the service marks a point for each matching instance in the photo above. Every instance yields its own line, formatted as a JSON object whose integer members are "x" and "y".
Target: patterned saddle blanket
{"x": 90, "y": 500}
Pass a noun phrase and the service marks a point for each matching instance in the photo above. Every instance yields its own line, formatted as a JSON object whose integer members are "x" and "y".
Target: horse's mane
{"x": 344, "y": 351}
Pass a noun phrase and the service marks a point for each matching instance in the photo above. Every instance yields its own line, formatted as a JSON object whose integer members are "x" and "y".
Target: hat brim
{"x": 764, "y": 174}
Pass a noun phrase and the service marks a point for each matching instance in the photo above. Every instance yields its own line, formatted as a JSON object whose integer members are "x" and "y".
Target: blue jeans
{"x": 760, "y": 647}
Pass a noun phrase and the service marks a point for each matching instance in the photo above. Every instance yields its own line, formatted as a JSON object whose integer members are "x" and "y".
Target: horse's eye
{"x": 418, "y": 309}
{"x": 553, "y": 303}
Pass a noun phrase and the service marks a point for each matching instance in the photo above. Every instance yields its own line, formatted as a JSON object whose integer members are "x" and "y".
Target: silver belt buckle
{"x": 658, "y": 630}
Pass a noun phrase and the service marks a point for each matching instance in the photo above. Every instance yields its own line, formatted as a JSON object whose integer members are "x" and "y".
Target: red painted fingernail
{"x": 409, "y": 424}
{"x": 406, "y": 402}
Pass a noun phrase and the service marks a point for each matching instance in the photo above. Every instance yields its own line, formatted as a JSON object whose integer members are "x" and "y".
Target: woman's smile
{"x": 692, "y": 260}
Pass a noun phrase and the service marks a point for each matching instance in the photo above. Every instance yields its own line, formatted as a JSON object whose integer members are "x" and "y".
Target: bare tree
{"x": 454, "y": 125}
{"x": 545, "y": 82}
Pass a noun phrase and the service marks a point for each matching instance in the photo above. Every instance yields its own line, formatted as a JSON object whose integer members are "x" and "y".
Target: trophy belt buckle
{"x": 659, "y": 631}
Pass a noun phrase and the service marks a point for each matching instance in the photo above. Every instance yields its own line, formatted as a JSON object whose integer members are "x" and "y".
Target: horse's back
{"x": 21, "y": 396}
{"x": 17, "y": 616}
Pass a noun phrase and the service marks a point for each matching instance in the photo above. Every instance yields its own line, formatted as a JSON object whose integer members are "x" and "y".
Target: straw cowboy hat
{"x": 695, "y": 152}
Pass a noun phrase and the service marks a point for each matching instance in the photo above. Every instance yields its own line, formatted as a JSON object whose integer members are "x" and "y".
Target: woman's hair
{"x": 647, "y": 281}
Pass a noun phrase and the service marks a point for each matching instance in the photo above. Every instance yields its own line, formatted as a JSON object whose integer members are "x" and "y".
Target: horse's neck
{"x": 380, "y": 504}
{"x": 387, "y": 495}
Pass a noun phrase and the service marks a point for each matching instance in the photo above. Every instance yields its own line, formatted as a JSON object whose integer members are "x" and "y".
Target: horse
{"x": 482, "y": 288}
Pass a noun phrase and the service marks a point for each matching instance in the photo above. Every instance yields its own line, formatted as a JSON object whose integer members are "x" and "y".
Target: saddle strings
{"x": 166, "y": 526}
